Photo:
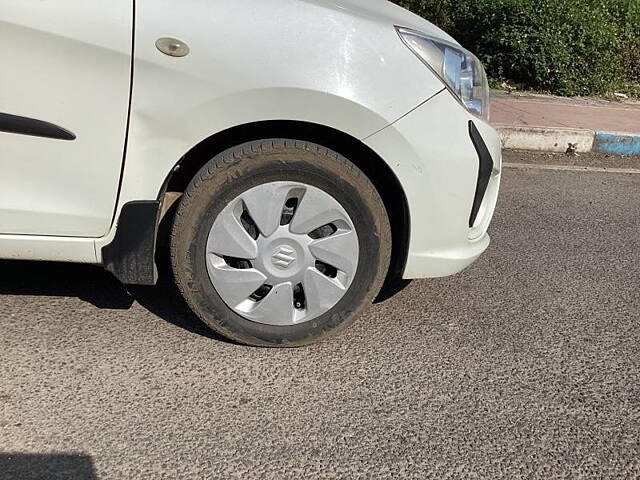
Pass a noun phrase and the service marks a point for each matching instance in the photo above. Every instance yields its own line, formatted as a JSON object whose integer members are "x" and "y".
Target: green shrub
{"x": 566, "y": 47}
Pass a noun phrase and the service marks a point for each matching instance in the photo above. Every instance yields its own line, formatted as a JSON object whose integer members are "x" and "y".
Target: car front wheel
{"x": 280, "y": 243}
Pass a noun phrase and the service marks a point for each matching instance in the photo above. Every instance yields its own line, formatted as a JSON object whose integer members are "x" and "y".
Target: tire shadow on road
{"x": 36, "y": 466}
{"x": 89, "y": 283}
{"x": 94, "y": 285}
{"x": 164, "y": 301}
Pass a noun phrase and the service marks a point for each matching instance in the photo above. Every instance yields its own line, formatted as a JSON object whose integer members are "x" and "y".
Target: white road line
{"x": 570, "y": 168}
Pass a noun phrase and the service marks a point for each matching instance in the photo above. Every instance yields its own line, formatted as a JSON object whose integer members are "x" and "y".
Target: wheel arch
{"x": 376, "y": 169}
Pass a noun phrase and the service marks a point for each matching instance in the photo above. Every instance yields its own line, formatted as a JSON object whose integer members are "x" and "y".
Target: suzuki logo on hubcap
{"x": 283, "y": 256}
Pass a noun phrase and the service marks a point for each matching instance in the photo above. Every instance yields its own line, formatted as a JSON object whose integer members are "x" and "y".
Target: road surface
{"x": 527, "y": 363}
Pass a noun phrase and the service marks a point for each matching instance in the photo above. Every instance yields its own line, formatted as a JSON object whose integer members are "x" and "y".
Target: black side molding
{"x": 131, "y": 254}
{"x": 484, "y": 172}
{"x": 30, "y": 126}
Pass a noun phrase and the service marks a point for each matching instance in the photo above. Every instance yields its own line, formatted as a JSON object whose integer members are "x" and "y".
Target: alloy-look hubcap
{"x": 282, "y": 253}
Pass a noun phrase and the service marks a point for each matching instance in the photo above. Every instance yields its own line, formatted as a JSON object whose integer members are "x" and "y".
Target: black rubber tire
{"x": 234, "y": 171}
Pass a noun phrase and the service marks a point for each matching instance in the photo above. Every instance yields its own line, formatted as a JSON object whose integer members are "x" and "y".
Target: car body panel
{"x": 439, "y": 182}
{"x": 68, "y": 63}
{"x": 336, "y": 63}
{"x": 334, "y": 77}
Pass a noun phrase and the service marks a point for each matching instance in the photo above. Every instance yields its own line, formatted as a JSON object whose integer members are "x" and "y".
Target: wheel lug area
{"x": 284, "y": 256}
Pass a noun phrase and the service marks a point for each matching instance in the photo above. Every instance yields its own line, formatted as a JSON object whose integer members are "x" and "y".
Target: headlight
{"x": 459, "y": 69}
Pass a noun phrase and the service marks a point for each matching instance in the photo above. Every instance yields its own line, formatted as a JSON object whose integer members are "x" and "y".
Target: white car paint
{"x": 438, "y": 170}
{"x": 66, "y": 62}
{"x": 336, "y": 63}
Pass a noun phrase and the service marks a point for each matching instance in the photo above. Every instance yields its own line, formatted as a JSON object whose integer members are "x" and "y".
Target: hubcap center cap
{"x": 283, "y": 257}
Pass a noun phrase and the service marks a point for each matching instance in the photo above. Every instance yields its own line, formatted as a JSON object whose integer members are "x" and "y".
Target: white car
{"x": 294, "y": 155}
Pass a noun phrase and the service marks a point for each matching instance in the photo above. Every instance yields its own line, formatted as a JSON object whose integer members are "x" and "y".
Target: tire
{"x": 251, "y": 167}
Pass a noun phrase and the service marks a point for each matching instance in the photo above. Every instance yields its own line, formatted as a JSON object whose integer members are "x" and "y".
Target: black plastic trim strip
{"x": 35, "y": 128}
{"x": 484, "y": 170}
{"x": 131, "y": 254}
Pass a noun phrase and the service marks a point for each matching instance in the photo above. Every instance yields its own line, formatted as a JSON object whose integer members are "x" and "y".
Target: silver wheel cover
{"x": 282, "y": 253}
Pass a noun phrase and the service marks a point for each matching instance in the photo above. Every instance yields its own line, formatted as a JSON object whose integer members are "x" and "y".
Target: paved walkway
{"x": 557, "y": 112}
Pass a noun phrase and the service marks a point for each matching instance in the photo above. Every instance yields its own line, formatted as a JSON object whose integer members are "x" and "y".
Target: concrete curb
{"x": 616, "y": 143}
{"x": 561, "y": 139}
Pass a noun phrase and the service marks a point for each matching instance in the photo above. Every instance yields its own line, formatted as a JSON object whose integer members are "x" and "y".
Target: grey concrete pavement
{"x": 525, "y": 365}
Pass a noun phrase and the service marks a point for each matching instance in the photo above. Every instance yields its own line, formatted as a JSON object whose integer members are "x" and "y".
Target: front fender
{"x": 254, "y": 61}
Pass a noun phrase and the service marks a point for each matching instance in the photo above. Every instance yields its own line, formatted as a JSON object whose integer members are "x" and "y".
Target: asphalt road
{"x": 525, "y": 365}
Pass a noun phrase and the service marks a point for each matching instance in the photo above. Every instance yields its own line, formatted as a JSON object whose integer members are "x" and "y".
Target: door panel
{"x": 66, "y": 64}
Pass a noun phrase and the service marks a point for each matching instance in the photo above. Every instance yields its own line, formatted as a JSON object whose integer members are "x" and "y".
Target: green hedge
{"x": 566, "y": 47}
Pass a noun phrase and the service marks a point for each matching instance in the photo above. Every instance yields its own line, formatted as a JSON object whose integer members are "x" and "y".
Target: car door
{"x": 65, "y": 73}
